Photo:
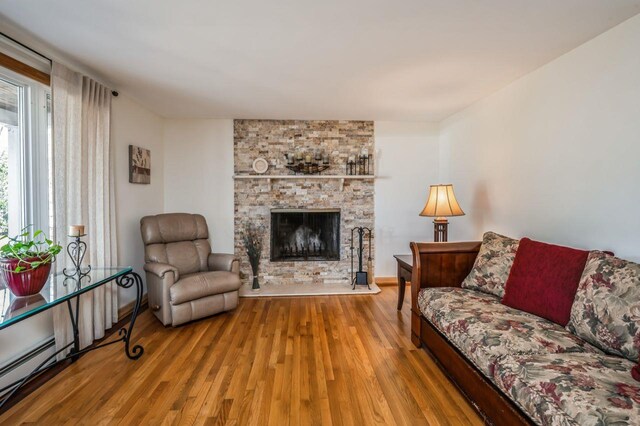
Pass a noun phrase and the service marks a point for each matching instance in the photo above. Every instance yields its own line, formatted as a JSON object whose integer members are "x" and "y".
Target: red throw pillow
{"x": 544, "y": 279}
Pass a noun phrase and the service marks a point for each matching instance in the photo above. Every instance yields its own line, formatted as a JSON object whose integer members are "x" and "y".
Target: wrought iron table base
{"x": 135, "y": 352}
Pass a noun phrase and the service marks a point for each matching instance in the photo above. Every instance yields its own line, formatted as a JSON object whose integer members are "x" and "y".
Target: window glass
{"x": 11, "y": 136}
{"x": 25, "y": 134}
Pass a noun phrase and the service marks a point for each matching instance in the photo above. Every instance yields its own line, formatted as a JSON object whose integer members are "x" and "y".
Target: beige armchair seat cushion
{"x": 195, "y": 286}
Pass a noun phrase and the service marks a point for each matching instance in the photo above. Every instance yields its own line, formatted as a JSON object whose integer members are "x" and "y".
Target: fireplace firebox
{"x": 305, "y": 235}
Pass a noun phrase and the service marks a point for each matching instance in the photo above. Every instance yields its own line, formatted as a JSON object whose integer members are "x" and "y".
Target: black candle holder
{"x": 359, "y": 165}
{"x": 76, "y": 250}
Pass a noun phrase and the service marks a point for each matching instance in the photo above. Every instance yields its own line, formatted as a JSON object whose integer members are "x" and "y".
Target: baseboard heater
{"x": 28, "y": 356}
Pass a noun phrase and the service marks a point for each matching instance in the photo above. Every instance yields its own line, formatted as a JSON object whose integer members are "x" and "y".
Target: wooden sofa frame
{"x": 446, "y": 265}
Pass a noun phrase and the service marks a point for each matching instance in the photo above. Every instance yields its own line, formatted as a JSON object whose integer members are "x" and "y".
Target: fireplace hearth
{"x": 299, "y": 235}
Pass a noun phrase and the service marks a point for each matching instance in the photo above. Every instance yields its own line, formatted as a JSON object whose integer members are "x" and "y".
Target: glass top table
{"x": 58, "y": 289}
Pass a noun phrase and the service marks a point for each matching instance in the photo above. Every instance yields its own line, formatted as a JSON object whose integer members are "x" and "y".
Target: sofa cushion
{"x": 493, "y": 263}
{"x": 483, "y": 329}
{"x": 195, "y": 286}
{"x": 571, "y": 389}
{"x": 606, "y": 309}
{"x": 544, "y": 278}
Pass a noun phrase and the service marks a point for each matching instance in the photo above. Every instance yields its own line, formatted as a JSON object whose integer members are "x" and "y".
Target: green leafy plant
{"x": 32, "y": 250}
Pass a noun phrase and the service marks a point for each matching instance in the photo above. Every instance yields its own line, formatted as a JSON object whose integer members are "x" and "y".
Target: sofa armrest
{"x": 438, "y": 265}
{"x": 159, "y": 269}
{"x": 223, "y": 262}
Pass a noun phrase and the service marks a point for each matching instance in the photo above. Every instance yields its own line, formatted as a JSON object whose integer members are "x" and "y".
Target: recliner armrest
{"x": 159, "y": 269}
{"x": 223, "y": 262}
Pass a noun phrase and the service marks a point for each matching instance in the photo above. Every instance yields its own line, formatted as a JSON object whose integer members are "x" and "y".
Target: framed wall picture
{"x": 139, "y": 165}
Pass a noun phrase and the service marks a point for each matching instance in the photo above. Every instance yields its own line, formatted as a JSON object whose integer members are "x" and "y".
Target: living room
{"x": 335, "y": 213}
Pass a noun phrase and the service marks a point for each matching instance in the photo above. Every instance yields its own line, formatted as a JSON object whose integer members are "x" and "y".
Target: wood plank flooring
{"x": 334, "y": 360}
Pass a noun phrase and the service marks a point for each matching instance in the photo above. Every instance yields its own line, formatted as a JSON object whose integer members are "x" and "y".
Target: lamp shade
{"x": 441, "y": 202}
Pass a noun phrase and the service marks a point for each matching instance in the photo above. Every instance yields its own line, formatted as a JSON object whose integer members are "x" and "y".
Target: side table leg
{"x": 126, "y": 281}
{"x": 74, "y": 317}
{"x": 402, "y": 284}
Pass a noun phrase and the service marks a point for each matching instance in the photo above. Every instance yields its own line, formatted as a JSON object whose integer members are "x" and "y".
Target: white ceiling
{"x": 314, "y": 59}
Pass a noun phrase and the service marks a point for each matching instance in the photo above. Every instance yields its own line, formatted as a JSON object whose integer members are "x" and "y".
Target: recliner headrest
{"x": 173, "y": 227}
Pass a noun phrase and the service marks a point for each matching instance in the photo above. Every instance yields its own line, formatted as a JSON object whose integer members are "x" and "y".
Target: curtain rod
{"x": 26, "y": 47}
{"x": 113, "y": 92}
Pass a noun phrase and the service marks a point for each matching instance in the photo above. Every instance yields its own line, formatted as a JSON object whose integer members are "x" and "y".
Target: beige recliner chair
{"x": 185, "y": 281}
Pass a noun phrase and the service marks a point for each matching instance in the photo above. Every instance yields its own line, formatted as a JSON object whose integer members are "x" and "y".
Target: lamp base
{"x": 440, "y": 230}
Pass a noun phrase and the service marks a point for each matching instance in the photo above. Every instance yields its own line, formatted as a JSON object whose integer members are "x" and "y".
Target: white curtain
{"x": 83, "y": 193}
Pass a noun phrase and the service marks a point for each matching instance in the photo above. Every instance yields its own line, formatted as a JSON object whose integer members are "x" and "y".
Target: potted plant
{"x": 252, "y": 239}
{"x": 25, "y": 261}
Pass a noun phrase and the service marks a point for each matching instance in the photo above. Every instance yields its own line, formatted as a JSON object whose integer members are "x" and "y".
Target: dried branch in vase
{"x": 253, "y": 238}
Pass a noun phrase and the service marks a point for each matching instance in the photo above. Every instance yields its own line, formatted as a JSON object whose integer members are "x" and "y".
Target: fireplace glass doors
{"x": 305, "y": 235}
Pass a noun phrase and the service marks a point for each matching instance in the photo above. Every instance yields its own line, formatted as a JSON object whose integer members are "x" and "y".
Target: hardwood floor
{"x": 341, "y": 360}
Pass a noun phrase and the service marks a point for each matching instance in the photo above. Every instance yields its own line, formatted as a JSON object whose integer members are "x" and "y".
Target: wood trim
{"x": 385, "y": 281}
{"x": 489, "y": 401}
{"x": 24, "y": 69}
{"x": 126, "y": 310}
{"x": 455, "y": 247}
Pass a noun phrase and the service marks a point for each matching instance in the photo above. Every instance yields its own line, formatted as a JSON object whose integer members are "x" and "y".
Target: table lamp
{"x": 441, "y": 204}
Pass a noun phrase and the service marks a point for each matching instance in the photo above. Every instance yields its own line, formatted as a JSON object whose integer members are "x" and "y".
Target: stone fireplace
{"x": 302, "y": 235}
{"x": 307, "y": 221}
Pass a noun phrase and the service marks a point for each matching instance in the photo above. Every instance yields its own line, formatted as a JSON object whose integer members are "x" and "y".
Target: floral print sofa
{"x": 580, "y": 374}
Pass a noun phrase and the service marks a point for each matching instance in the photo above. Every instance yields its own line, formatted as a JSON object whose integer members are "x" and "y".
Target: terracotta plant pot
{"x": 27, "y": 282}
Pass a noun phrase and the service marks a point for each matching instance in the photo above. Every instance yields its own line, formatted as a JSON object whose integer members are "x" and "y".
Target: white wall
{"x": 407, "y": 164}
{"x": 556, "y": 154}
{"x": 133, "y": 124}
{"x": 198, "y": 174}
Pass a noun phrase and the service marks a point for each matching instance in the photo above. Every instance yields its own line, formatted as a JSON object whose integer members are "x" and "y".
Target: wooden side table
{"x": 405, "y": 268}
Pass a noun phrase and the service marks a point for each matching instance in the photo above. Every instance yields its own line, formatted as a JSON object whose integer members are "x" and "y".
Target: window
{"x": 25, "y": 134}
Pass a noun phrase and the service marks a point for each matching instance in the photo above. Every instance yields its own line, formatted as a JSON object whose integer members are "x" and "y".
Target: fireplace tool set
{"x": 361, "y": 277}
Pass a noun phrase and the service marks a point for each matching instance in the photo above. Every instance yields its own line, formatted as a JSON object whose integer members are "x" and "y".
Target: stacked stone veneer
{"x": 272, "y": 139}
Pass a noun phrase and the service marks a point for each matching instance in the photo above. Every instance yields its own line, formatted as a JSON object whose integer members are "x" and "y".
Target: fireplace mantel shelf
{"x": 341, "y": 178}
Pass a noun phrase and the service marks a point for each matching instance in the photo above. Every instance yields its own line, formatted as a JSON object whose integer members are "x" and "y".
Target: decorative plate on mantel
{"x": 260, "y": 165}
